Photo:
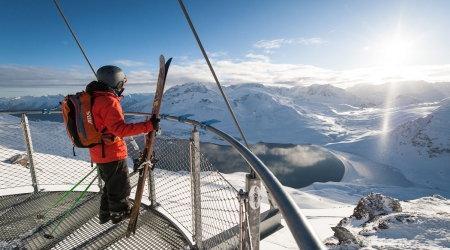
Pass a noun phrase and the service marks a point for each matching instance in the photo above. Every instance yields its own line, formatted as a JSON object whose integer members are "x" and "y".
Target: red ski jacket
{"x": 107, "y": 113}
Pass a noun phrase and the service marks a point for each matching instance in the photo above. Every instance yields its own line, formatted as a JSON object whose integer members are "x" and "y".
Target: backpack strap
{"x": 104, "y": 129}
{"x": 103, "y": 149}
{"x": 103, "y": 143}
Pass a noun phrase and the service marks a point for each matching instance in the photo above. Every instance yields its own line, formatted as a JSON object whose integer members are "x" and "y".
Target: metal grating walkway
{"x": 80, "y": 230}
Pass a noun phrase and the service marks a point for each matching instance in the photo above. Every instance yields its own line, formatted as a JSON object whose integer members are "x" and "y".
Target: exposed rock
{"x": 369, "y": 209}
{"x": 20, "y": 159}
{"x": 344, "y": 235}
{"x": 383, "y": 223}
{"x": 375, "y": 204}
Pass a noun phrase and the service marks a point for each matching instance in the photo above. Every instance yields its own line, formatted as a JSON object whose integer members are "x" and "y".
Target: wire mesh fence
{"x": 14, "y": 172}
{"x": 56, "y": 160}
{"x": 58, "y": 167}
{"x": 173, "y": 179}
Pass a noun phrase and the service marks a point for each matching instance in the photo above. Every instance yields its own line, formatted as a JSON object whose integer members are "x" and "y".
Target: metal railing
{"x": 177, "y": 184}
{"x": 304, "y": 234}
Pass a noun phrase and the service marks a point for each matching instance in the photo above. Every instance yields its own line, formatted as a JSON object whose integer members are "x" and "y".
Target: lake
{"x": 295, "y": 166}
{"x": 43, "y": 117}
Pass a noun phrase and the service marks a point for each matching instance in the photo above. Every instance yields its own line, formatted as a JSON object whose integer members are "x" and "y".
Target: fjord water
{"x": 295, "y": 166}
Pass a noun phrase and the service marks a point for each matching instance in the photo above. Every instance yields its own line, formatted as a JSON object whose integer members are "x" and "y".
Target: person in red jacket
{"x": 111, "y": 155}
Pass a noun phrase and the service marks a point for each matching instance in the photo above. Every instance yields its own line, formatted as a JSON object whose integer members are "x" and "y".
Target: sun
{"x": 395, "y": 52}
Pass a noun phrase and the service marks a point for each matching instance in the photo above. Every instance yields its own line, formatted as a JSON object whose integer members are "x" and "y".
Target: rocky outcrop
{"x": 351, "y": 230}
{"x": 375, "y": 204}
{"x": 19, "y": 159}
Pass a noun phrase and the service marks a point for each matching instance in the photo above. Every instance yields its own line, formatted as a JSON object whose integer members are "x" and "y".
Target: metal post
{"x": 242, "y": 197}
{"x": 99, "y": 181}
{"x": 99, "y": 178}
{"x": 151, "y": 186}
{"x": 29, "y": 146}
{"x": 195, "y": 188}
{"x": 241, "y": 236}
{"x": 253, "y": 207}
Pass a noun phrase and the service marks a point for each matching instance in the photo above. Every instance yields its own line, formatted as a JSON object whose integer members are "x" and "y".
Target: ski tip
{"x": 49, "y": 236}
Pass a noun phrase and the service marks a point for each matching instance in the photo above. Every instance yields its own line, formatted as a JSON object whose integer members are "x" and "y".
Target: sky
{"x": 288, "y": 43}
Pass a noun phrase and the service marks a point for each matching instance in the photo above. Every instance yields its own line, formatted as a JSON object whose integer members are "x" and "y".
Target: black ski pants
{"x": 117, "y": 188}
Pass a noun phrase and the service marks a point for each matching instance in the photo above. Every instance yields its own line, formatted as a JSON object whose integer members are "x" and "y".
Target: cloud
{"x": 262, "y": 58}
{"x": 27, "y": 76}
{"x": 309, "y": 41}
{"x": 272, "y": 43}
{"x": 143, "y": 76}
{"x": 267, "y": 45}
{"x": 128, "y": 63}
{"x": 218, "y": 54}
{"x": 255, "y": 69}
{"x": 301, "y": 156}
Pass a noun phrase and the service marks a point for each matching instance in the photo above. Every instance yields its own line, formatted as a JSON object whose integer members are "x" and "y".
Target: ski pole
{"x": 42, "y": 216}
{"x": 133, "y": 142}
{"x": 50, "y": 236}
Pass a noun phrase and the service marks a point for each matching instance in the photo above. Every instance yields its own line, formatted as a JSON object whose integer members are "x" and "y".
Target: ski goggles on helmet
{"x": 121, "y": 83}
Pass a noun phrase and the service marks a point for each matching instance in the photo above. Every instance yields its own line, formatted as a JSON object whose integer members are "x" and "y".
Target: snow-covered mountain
{"x": 417, "y": 91}
{"x": 320, "y": 114}
{"x": 429, "y": 135}
{"x": 328, "y": 94}
{"x": 30, "y": 102}
{"x": 53, "y": 101}
{"x": 317, "y": 113}
{"x": 399, "y": 147}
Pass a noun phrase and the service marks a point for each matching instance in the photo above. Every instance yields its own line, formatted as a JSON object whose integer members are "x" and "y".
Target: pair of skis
{"x": 163, "y": 68}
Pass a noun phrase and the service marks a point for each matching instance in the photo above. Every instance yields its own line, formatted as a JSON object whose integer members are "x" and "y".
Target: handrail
{"x": 45, "y": 111}
{"x": 303, "y": 233}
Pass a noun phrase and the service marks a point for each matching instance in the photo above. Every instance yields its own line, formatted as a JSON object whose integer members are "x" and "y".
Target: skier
{"x": 111, "y": 155}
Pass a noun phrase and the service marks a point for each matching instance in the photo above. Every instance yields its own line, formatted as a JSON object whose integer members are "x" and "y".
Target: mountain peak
{"x": 325, "y": 90}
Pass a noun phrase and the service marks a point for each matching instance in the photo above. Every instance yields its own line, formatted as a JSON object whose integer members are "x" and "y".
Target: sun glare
{"x": 394, "y": 53}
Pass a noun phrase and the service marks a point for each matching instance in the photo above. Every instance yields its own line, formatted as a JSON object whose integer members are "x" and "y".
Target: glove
{"x": 155, "y": 122}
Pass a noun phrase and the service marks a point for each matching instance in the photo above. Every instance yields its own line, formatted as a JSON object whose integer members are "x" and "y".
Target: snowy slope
{"x": 400, "y": 149}
{"x": 428, "y": 134}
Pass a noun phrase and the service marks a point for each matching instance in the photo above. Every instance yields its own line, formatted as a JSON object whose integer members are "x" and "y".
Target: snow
{"x": 393, "y": 141}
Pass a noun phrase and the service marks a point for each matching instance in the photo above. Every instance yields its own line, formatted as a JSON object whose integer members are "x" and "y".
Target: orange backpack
{"x": 76, "y": 110}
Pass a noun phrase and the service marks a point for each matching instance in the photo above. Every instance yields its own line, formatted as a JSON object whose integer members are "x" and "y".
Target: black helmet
{"x": 112, "y": 76}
